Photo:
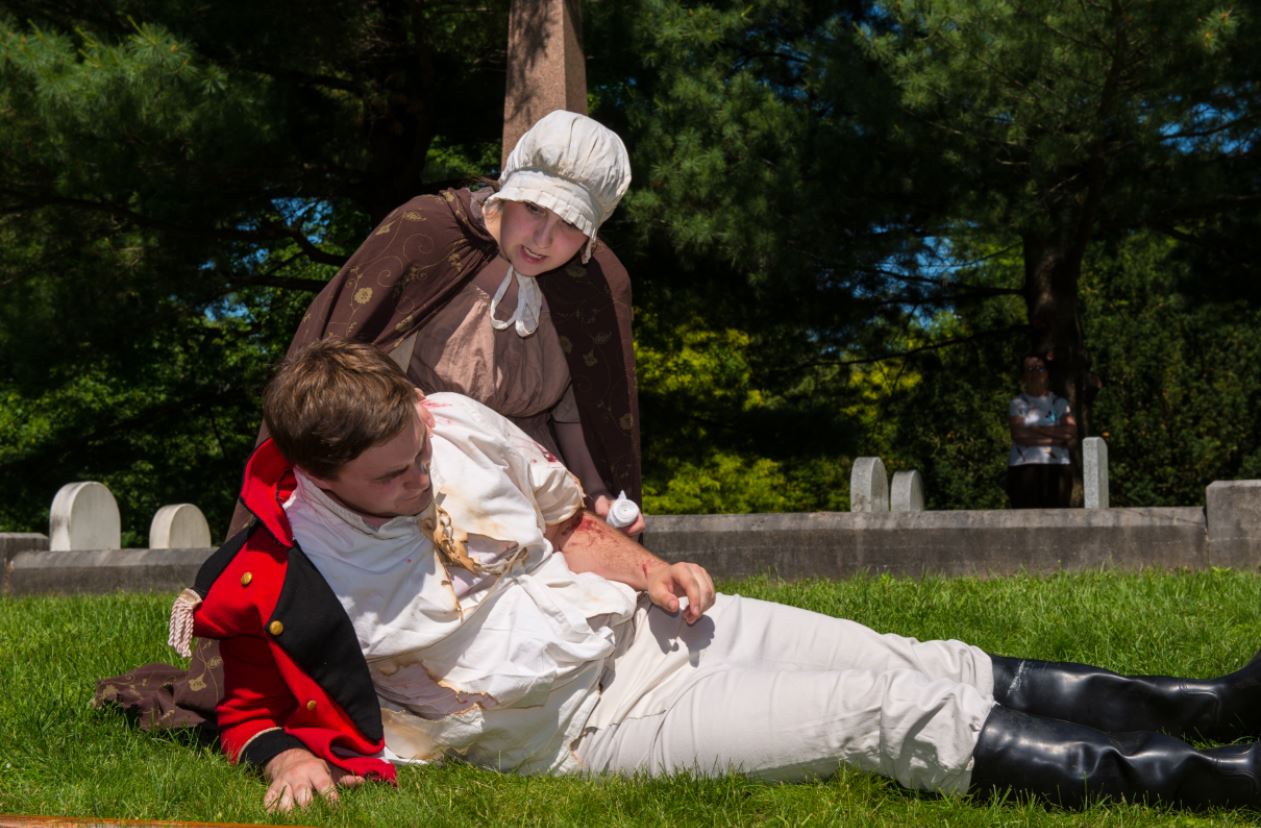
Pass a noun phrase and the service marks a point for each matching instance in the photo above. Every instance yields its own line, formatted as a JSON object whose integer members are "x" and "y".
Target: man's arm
{"x": 591, "y": 545}
{"x": 578, "y": 458}
{"x": 297, "y": 776}
{"x": 251, "y": 717}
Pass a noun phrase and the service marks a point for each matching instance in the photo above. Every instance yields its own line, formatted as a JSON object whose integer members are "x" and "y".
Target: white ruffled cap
{"x": 569, "y": 164}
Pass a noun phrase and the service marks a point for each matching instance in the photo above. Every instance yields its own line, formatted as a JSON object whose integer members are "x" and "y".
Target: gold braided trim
{"x": 452, "y": 543}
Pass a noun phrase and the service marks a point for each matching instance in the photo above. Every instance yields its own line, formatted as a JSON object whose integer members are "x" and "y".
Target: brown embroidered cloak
{"x": 424, "y": 251}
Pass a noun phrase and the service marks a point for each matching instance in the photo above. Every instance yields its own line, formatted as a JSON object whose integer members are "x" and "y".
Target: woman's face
{"x": 535, "y": 240}
{"x": 1033, "y": 373}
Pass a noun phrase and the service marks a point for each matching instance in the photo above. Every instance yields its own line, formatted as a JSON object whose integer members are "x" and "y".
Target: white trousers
{"x": 781, "y": 693}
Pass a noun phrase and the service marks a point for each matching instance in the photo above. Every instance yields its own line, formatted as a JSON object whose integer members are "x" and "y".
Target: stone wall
{"x": 839, "y": 544}
{"x": 1227, "y": 532}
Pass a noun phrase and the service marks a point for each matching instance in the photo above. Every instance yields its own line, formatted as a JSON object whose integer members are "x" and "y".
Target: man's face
{"x": 390, "y": 478}
{"x": 535, "y": 240}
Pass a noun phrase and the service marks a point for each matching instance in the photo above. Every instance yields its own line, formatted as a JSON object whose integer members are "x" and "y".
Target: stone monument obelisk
{"x": 546, "y": 66}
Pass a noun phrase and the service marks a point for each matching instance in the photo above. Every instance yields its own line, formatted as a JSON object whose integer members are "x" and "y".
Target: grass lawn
{"x": 59, "y": 756}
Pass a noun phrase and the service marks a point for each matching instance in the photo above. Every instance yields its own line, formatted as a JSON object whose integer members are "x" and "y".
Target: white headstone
{"x": 1094, "y": 473}
{"x": 868, "y": 486}
{"x": 179, "y": 526}
{"x": 84, "y": 516}
{"x": 906, "y": 493}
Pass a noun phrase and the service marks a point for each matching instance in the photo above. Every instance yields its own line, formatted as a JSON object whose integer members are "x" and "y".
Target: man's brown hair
{"x": 333, "y": 400}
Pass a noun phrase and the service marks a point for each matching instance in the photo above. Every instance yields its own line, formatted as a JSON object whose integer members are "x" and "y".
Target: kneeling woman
{"x": 506, "y": 296}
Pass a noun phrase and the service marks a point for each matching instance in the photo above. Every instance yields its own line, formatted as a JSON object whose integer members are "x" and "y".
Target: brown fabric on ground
{"x": 163, "y": 696}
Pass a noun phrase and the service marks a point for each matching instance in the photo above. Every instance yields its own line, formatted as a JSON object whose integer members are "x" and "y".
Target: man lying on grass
{"x": 421, "y": 580}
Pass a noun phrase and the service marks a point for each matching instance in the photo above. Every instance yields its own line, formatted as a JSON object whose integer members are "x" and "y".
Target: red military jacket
{"x": 294, "y": 675}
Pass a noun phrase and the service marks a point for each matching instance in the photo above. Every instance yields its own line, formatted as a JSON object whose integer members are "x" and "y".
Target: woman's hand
{"x": 578, "y": 459}
{"x": 601, "y": 503}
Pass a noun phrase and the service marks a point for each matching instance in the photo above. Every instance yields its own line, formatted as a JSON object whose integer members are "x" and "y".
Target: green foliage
{"x": 719, "y": 437}
{"x": 175, "y": 431}
{"x": 1181, "y": 379}
{"x": 1023, "y": 98}
{"x": 735, "y": 484}
{"x": 131, "y": 122}
{"x": 955, "y": 433}
{"x": 1024, "y": 135}
{"x": 176, "y": 181}
{"x": 1065, "y": 125}
{"x": 752, "y": 126}
{"x": 1179, "y": 375}
{"x": 951, "y": 425}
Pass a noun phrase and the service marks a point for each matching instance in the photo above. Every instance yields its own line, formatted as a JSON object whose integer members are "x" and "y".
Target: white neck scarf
{"x": 529, "y": 302}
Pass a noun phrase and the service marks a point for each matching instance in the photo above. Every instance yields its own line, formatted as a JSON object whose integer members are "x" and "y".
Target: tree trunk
{"x": 399, "y": 123}
{"x": 1052, "y": 270}
{"x": 1053, "y": 254}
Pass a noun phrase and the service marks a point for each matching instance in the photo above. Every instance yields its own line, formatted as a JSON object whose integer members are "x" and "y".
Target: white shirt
{"x": 1038, "y": 411}
{"x": 499, "y": 666}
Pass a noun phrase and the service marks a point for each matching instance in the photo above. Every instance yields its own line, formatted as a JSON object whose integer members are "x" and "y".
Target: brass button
{"x": 427, "y": 524}
{"x": 310, "y": 705}
{"x": 246, "y": 578}
{"x": 275, "y": 628}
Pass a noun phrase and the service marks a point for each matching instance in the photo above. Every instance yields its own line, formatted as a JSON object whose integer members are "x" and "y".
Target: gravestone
{"x": 546, "y": 68}
{"x": 906, "y": 493}
{"x": 1232, "y": 511}
{"x": 179, "y": 526}
{"x": 1094, "y": 473}
{"x": 84, "y": 515}
{"x": 868, "y": 486}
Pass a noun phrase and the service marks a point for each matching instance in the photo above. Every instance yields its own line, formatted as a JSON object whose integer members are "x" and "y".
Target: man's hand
{"x": 591, "y": 545}
{"x": 297, "y": 776}
{"x": 667, "y": 581}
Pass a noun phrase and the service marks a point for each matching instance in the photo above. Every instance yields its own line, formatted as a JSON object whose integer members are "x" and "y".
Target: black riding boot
{"x": 1070, "y": 764}
{"x": 1219, "y": 709}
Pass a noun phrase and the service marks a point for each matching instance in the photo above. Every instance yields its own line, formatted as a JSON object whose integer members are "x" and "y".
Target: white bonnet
{"x": 571, "y": 165}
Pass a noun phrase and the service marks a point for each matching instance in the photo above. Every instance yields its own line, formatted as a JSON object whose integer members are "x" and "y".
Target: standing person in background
{"x": 506, "y": 296}
{"x": 1039, "y": 469}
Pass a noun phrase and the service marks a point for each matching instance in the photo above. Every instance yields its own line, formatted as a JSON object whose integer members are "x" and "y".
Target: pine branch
{"x": 75, "y": 441}
{"x": 270, "y": 231}
{"x": 980, "y": 336}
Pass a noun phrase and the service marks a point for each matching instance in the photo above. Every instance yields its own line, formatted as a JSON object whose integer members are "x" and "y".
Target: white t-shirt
{"x": 1038, "y": 411}
{"x": 499, "y": 666}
